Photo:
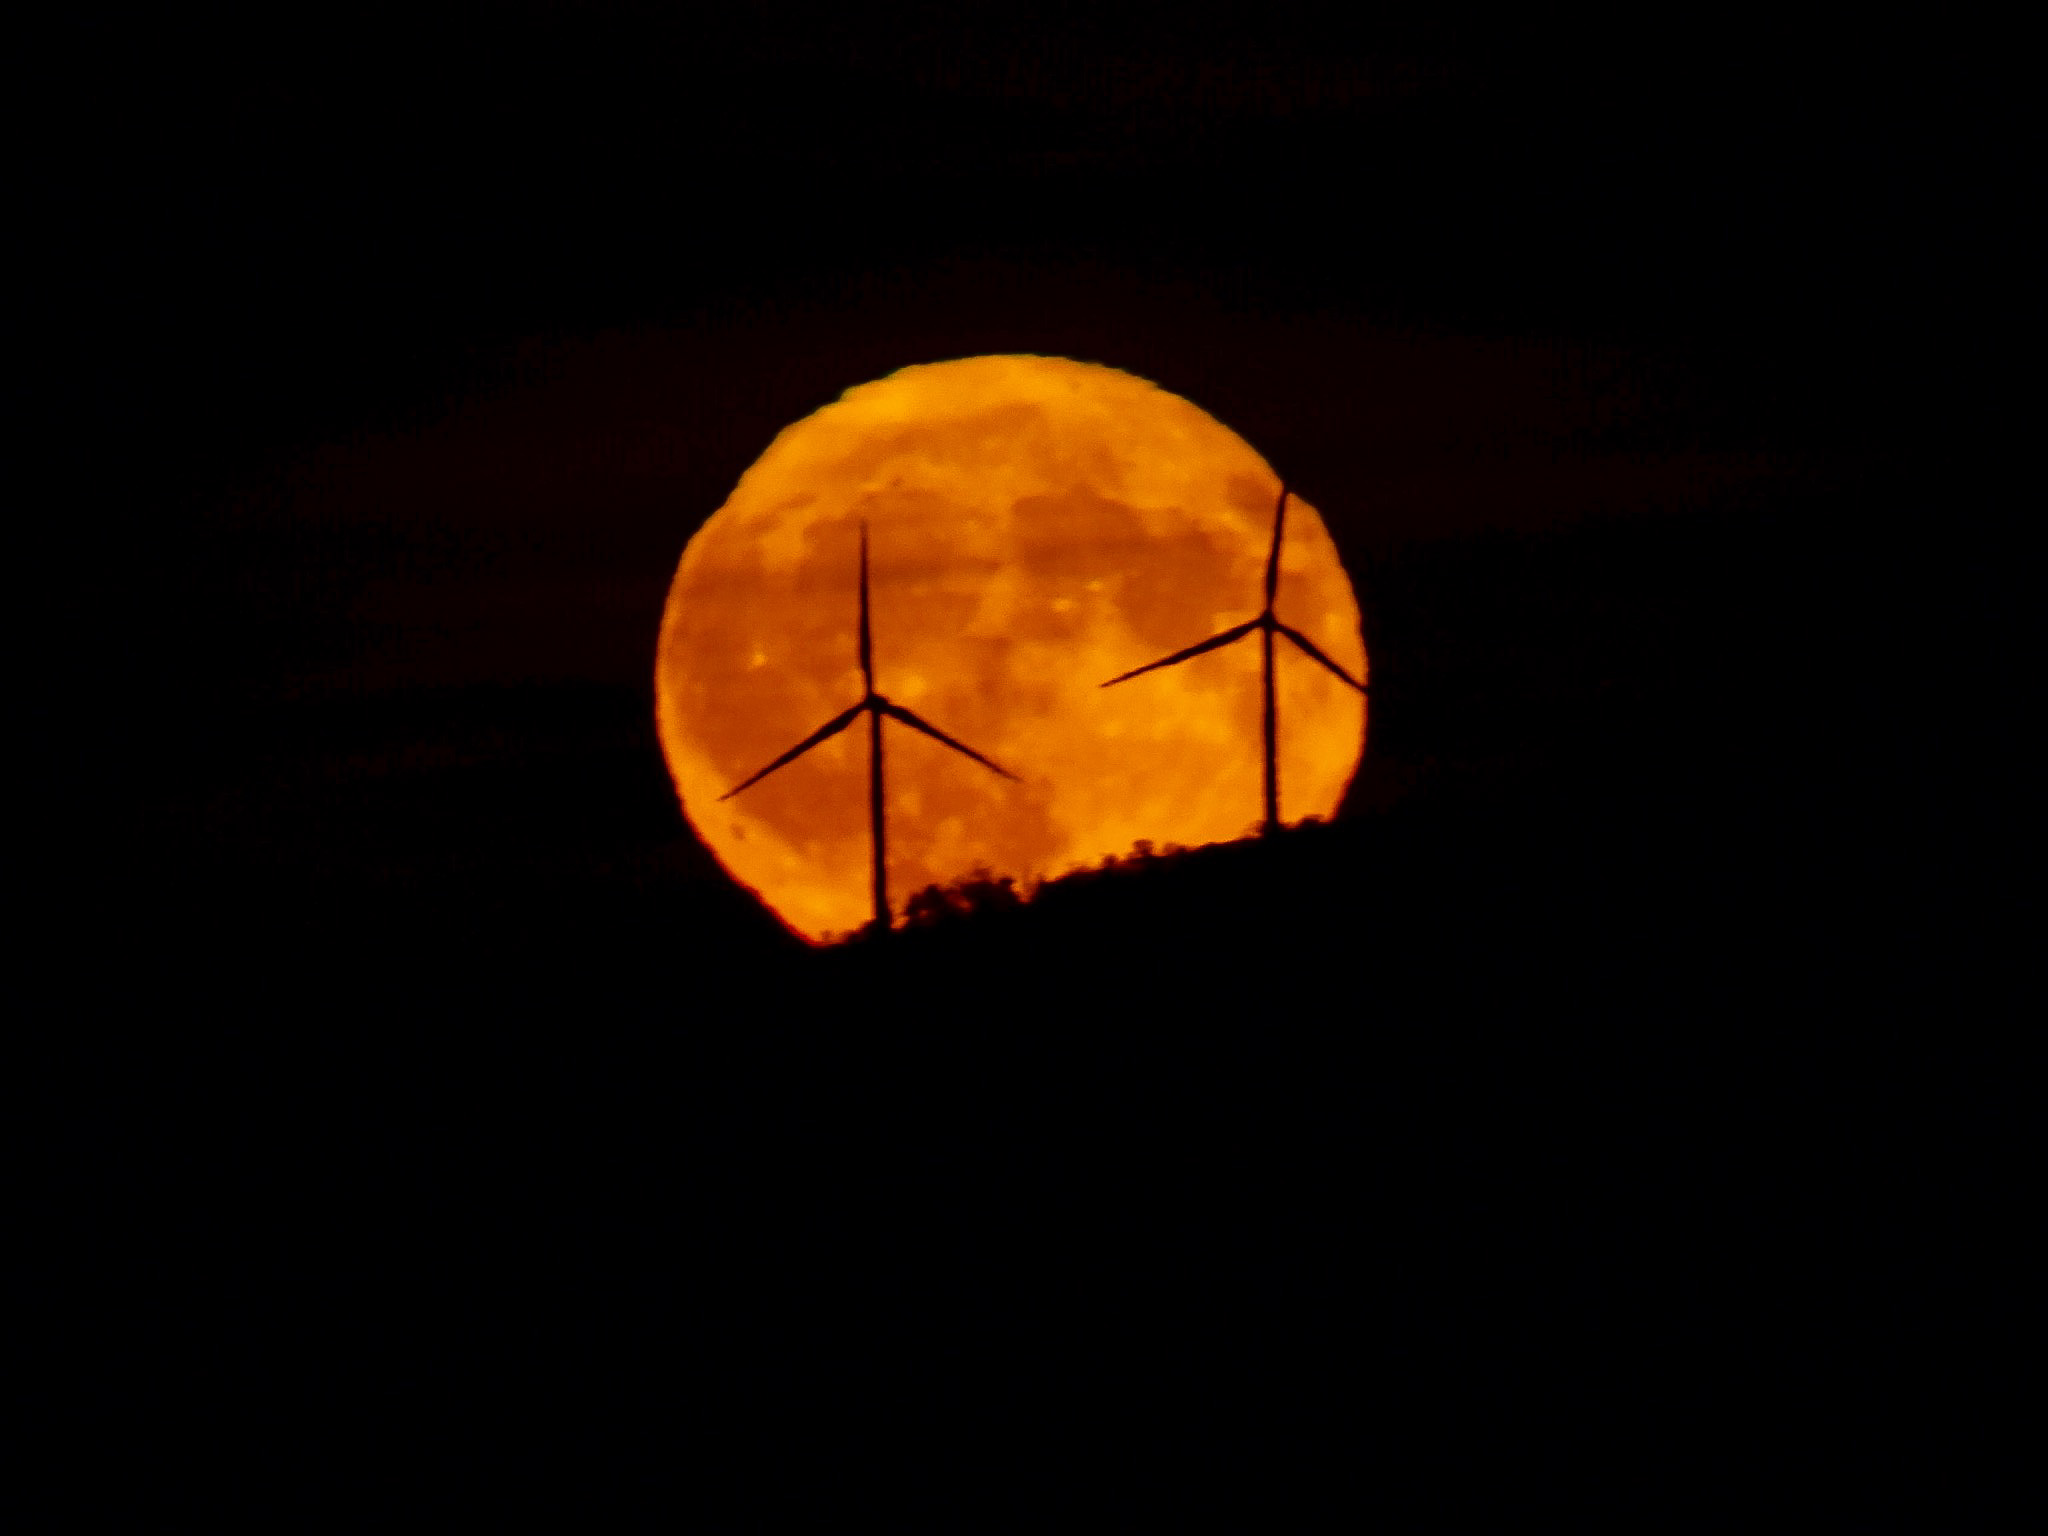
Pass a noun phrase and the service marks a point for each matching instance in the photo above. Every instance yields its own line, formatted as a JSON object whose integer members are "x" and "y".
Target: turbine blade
{"x": 867, "y": 644}
{"x": 1273, "y": 559}
{"x": 829, "y": 729}
{"x": 1214, "y": 642}
{"x": 1309, "y": 649}
{"x": 898, "y": 712}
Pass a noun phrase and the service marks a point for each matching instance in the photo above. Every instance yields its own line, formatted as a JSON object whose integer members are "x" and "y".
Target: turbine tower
{"x": 1268, "y": 625}
{"x": 874, "y": 706}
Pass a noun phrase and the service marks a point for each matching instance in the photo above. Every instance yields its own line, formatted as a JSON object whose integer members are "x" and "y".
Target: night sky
{"x": 1589, "y": 1120}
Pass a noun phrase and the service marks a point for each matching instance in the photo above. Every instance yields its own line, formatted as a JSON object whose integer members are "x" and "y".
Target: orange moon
{"x": 1036, "y": 527}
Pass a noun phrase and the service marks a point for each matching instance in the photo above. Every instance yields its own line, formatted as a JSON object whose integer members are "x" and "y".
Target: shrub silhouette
{"x": 976, "y": 893}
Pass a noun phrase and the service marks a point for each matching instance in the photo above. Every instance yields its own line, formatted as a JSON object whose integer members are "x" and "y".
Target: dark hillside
{"x": 1576, "y": 1087}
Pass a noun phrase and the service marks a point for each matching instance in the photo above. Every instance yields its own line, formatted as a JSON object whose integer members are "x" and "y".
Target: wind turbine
{"x": 1268, "y": 625}
{"x": 874, "y": 706}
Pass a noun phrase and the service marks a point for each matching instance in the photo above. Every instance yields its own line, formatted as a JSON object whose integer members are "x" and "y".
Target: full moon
{"x": 1035, "y": 527}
